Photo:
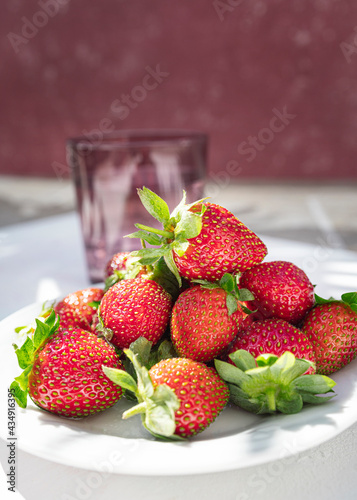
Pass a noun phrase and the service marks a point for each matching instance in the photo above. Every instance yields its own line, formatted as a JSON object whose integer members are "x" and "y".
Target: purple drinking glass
{"x": 107, "y": 171}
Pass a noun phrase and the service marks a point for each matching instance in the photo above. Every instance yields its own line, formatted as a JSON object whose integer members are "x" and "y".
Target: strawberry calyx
{"x": 28, "y": 330}
{"x": 271, "y": 384}
{"x": 148, "y": 356}
{"x": 45, "y": 327}
{"x": 132, "y": 269}
{"x": 156, "y": 405}
{"x": 234, "y": 295}
{"x": 349, "y": 298}
{"x": 178, "y": 227}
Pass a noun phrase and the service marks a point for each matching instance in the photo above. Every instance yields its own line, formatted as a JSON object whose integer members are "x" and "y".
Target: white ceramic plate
{"x": 105, "y": 442}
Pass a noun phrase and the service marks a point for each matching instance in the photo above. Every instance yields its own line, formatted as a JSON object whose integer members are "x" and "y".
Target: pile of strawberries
{"x": 194, "y": 319}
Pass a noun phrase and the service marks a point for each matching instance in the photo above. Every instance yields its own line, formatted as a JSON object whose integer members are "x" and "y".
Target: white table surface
{"x": 43, "y": 259}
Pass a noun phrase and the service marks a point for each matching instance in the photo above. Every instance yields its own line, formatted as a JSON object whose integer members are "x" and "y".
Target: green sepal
{"x": 45, "y": 327}
{"x": 287, "y": 368}
{"x": 94, "y": 303}
{"x": 114, "y": 278}
{"x": 169, "y": 260}
{"x": 314, "y": 384}
{"x": 189, "y": 225}
{"x": 120, "y": 377}
{"x": 19, "y": 395}
{"x": 246, "y": 295}
{"x": 155, "y": 205}
{"x": 241, "y": 399}
{"x": 148, "y": 256}
{"x": 232, "y": 304}
{"x": 234, "y": 295}
{"x": 151, "y": 238}
{"x": 350, "y": 298}
{"x": 25, "y": 353}
{"x": 321, "y": 300}
{"x": 315, "y": 400}
{"x": 265, "y": 359}
{"x": 243, "y": 359}
{"x": 229, "y": 373}
{"x": 180, "y": 247}
{"x": 165, "y": 278}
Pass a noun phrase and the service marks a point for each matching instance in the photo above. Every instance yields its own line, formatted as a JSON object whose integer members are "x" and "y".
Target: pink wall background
{"x": 227, "y": 67}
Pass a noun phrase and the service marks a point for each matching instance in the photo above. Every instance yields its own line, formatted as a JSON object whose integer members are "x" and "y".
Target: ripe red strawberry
{"x": 134, "y": 308}
{"x": 281, "y": 289}
{"x": 274, "y": 336}
{"x": 177, "y": 398}
{"x": 201, "y": 392}
{"x": 199, "y": 241}
{"x": 201, "y": 326}
{"x": 62, "y": 370}
{"x": 332, "y": 326}
{"x": 78, "y": 309}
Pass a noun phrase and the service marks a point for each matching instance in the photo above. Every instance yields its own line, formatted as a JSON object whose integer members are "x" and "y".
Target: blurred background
{"x": 273, "y": 83}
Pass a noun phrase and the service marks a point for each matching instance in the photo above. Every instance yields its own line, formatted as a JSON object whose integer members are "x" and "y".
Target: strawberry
{"x": 271, "y": 384}
{"x": 332, "y": 326}
{"x": 116, "y": 264}
{"x": 134, "y": 308}
{"x": 199, "y": 240}
{"x": 206, "y": 318}
{"x": 78, "y": 309}
{"x": 274, "y": 336}
{"x": 281, "y": 289}
{"x": 62, "y": 370}
{"x": 122, "y": 265}
{"x": 177, "y": 397}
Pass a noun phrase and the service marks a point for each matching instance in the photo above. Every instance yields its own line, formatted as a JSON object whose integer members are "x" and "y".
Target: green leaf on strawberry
{"x": 45, "y": 327}
{"x": 151, "y": 238}
{"x": 270, "y": 384}
{"x": 234, "y": 295}
{"x": 155, "y": 205}
{"x": 350, "y": 298}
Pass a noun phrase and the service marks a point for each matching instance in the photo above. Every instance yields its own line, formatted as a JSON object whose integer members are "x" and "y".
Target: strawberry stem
{"x": 165, "y": 234}
{"x": 149, "y": 269}
{"x": 270, "y": 393}
{"x": 135, "y": 410}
